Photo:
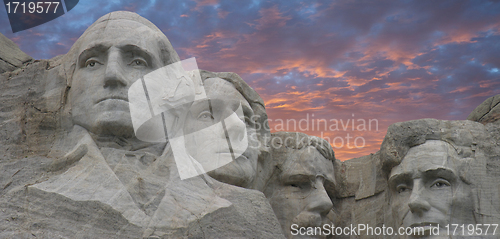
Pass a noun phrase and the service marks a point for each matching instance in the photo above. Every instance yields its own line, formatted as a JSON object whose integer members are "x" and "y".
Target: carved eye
{"x": 138, "y": 62}
{"x": 402, "y": 188}
{"x": 205, "y": 116}
{"x": 302, "y": 186}
{"x": 91, "y": 63}
{"x": 440, "y": 183}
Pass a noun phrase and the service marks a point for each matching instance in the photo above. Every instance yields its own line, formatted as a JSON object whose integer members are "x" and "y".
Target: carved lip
{"x": 113, "y": 97}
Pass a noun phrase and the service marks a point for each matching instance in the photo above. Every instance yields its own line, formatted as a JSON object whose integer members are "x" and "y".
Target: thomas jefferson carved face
{"x": 229, "y": 106}
{"x": 112, "y": 56}
{"x": 426, "y": 189}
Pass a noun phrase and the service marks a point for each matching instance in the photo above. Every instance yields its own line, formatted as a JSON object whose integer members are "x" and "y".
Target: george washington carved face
{"x": 111, "y": 55}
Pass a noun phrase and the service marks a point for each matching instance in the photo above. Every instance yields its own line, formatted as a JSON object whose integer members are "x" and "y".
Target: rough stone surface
{"x": 11, "y": 57}
{"x": 30, "y": 101}
{"x": 361, "y": 193}
{"x": 487, "y": 112}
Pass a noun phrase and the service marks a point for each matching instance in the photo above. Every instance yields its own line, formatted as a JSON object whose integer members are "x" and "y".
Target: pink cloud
{"x": 271, "y": 17}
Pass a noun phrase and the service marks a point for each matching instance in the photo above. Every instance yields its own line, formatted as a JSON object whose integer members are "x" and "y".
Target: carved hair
{"x": 296, "y": 140}
{"x": 463, "y": 136}
{"x": 167, "y": 53}
{"x": 283, "y": 144}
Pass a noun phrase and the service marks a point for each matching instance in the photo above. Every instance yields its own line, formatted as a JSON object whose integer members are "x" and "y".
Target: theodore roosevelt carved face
{"x": 299, "y": 191}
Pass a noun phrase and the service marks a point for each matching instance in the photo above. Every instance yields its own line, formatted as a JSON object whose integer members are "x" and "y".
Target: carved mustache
{"x": 308, "y": 219}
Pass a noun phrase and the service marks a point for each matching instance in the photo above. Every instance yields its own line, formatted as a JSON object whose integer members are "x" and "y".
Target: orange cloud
{"x": 222, "y": 14}
{"x": 271, "y": 17}
{"x": 297, "y": 101}
{"x": 462, "y": 89}
{"x": 466, "y": 35}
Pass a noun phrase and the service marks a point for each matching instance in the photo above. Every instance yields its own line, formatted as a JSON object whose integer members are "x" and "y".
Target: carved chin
{"x": 115, "y": 128}
{"x": 117, "y": 124}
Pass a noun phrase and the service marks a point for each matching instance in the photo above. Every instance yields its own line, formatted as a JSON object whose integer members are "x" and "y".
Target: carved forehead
{"x": 121, "y": 32}
{"x": 123, "y": 24}
{"x": 432, "y": 155}
{"x": 218, "y": 88}
{"x": 119, "y": 28}
{"x": 308, "y": 161}
{"x": 124, "y": 16}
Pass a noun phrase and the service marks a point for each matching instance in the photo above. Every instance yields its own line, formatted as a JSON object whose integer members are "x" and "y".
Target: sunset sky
{"x": 341, "y": 61}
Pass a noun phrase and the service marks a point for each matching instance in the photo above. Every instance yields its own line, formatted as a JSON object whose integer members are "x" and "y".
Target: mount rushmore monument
{"x": 120, "y": 138}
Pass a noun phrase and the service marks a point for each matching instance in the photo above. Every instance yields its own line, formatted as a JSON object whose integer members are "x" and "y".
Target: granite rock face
{"x": 487, "y": 112}
{"x": 11, "y": 57}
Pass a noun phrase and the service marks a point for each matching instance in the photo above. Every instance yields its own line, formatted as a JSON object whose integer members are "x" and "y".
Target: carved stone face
{"x": 202, "y": 145}
{"x": 298, "y": 194}
{"x": 426, "y": 189}
{"x": 113, "y": 55}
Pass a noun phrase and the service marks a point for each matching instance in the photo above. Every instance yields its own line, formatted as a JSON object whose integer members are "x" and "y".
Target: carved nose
{"x": 320, "y": 202}
{"x": 418, "y": 204}
{"x": 236, "y": 129}
{"x": 114, "y": 77}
